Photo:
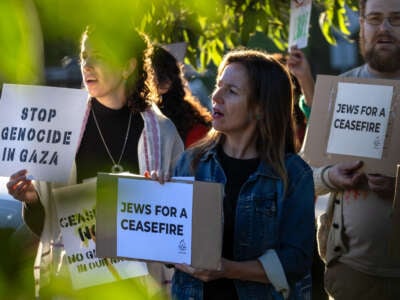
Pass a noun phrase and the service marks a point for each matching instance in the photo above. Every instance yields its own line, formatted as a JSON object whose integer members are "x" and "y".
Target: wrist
{"x": 229, "y": 270}
{"x": 326, "y": 179}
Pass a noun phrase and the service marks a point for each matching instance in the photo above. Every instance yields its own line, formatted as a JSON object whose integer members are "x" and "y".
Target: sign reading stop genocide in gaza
{"x": 39, "y": 130}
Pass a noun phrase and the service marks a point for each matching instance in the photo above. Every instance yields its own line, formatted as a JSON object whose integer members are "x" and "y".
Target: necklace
{"x": 116, "y": 168}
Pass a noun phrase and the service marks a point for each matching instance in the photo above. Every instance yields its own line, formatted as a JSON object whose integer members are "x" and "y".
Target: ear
{"x": 129, "y": 68}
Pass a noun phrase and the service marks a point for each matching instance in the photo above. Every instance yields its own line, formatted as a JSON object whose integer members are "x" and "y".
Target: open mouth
{"x": 90, "y": 80}
{"x": 217, "y": 113}
{"x": 385, "y": 40}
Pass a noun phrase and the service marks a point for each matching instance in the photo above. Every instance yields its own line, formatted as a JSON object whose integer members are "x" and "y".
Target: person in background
{"x": 301, "y": 70}
{"x": 268, "y": 205}
{"x": 299, "y": 118}
{"x": 123, "y": 131}
{"x": 176, "y": 101}
{"x": 354, "y": 235}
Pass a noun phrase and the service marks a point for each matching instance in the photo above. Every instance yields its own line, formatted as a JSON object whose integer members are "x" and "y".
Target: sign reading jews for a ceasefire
{"x": 39, "y": 130}
{"x": 360, "y": 119}
{"x": 145, "y": 217}
{"x": 77, "y": 221}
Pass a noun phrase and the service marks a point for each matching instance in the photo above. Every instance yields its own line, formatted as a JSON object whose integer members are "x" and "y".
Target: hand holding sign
{"x": 159, "y": 176}
{"x": 346, "y": 175}
{"x": 21, "y": 188}
{"x": 202, "y": 274}
{"x": 384, "y": 186}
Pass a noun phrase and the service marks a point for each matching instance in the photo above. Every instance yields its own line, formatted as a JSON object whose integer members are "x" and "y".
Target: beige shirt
{"x": 360, "y": 230}
{"x": 367, "y": 225}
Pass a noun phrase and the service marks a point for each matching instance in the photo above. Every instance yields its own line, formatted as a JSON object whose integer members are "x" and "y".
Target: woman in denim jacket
{"x": 269, "y": 191}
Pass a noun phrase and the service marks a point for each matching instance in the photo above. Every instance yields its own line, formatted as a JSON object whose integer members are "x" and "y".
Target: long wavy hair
{"x": 271, "y": 98}
{"x": 118, "y": 47}
{"x": 178, "y": 103}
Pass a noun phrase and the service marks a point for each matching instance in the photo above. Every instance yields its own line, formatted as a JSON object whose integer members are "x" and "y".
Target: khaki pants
{"x": 345, "y": 283}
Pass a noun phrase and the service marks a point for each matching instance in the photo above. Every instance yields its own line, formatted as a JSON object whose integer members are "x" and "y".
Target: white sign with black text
{"x": 39, "y": 130}
{"x": 360, "y": 119}
{"x": 300, "y": 13}
{"x": 157, "y": 220}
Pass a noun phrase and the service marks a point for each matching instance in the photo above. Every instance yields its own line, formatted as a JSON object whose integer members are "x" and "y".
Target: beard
{"x": 382, "y": 62}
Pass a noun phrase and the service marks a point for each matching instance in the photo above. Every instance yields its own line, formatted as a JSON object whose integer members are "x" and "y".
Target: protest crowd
{"x": 105, "y": 179}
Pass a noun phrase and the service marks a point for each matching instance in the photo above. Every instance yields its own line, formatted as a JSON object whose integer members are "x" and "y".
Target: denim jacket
{"x": 277, "y": 229}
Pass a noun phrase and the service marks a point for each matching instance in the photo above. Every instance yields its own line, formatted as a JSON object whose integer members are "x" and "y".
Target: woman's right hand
{"x": 22, "y": 188}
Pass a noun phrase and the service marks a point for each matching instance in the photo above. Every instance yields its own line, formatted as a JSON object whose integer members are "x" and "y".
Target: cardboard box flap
{"x": 207, "y": 226}
{"x": 106, "y": 215}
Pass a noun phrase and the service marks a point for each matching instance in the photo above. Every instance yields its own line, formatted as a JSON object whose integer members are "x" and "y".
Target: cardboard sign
{"x": 360, "y": 119}
{"x": 300, "y": 13}
{"x": 394, "y": 243}
{"x": 354, "y": 119}
{"x": 39, "y": 130}
{"x": 177, "y": 222}
{"x": 178, "y": 50}
{"x": 77, "y": 220}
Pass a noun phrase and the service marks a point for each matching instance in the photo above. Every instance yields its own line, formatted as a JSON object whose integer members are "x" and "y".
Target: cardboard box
{"x": 177, "y": 222}
{"x": 354, "y": 119}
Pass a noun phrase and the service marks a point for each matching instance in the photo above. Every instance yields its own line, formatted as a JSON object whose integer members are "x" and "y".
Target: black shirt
{"x": 237, "y": 171}
{"x": 92, "y": 155}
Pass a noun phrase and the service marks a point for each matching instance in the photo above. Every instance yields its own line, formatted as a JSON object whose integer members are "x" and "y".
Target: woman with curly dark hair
{"x": 176, "y": 101}
{"x": 123, "y": 131}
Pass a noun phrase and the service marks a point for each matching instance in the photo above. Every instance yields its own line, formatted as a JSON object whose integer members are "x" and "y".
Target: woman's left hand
{"x": 159, "y": 175}
{"x": 202, "y": 274}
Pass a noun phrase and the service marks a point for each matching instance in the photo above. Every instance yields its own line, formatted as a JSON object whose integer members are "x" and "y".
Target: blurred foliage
{"x": 209, "y": 28}
{"x": 21, "y": 46}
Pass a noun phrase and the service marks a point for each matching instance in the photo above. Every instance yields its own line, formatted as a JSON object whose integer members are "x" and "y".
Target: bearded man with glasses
{"x": 356, "y": 253}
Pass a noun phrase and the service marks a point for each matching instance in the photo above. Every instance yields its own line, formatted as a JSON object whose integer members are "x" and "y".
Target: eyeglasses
{"x": 377, "y": 19}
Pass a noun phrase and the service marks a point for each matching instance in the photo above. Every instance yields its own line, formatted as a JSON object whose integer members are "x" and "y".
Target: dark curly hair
{"x": 118, "y": 48}
{"x": 178, "y": 103}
